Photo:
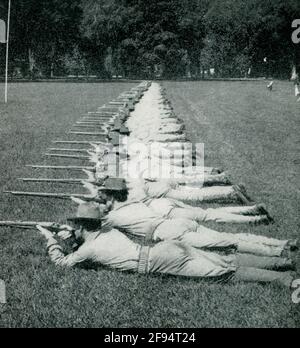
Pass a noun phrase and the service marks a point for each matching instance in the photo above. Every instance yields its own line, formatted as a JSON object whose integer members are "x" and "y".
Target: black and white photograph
{"x": 150, "y": 162}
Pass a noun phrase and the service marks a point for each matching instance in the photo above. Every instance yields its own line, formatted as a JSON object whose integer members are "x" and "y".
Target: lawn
{"x": 246, "y": 129}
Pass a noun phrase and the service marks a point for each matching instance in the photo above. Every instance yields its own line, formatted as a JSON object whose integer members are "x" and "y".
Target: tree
{"x": 147, "y": 39}
{"x": 75, "y": 63}
{"x": 43, "y": 31}
{"x": 241, "y": 34}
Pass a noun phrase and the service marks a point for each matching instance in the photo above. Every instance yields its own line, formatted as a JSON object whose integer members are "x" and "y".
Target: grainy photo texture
{"x": 149, "y": 173}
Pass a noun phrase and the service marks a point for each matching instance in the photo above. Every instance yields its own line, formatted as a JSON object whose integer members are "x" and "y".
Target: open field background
{"x": 246, "y": 129}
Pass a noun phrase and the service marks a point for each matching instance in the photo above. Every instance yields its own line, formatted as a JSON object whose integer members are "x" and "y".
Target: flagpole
{"x": 7, "y": 50}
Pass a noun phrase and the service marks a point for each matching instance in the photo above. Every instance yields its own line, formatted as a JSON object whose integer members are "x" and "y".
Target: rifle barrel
{"x": 47, "y": 195}
{"x": 63, "y": 181}
{"x": 82, "y": 125}
{"x": 22, "y": 224}
{"x": 67, "y": 156}
{"x": 104, "y": 113}
{"x": 88, "y": 133}
{"x": 91, "y": 122}
{"x": 67, "y": 150}
{"x": 97, "y": 119}
{"x": 59, "y": 167}
{"x": 79, "y": 142}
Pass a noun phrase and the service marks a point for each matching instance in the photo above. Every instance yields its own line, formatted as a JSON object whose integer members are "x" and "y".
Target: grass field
{"x": 246, "y": 129}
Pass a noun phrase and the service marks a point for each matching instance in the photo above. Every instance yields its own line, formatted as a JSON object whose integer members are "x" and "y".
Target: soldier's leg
{"x": 221, "y": 216}
{"x": 202, "y": 215}
{"x": 249, "y": 274}
{"x": 264, "y": 262}
{"x": 178, "y": 258}
{"x": 204, "y": 179}
{"x": 245, "y": 243}
{"x": 205, "y": 194}
{"x": 257, "y": 209}
{"x": 216, "y": 179}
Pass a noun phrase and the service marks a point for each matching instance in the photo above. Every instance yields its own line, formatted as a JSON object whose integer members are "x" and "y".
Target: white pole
{"x": 7, "y": 50}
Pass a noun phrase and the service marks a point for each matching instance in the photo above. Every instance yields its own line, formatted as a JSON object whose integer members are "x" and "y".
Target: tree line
{"x": 152, "y": 39}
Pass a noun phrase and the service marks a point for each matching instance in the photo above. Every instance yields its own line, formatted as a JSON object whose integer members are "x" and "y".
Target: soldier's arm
{"x": 57, "y": 255}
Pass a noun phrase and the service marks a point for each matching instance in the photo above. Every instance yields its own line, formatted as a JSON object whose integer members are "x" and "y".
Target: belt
{"x": 145, "y": 249}
{"x": 143, "y": 260}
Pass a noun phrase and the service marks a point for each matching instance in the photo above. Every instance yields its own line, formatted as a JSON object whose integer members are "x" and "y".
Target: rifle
{"x": 103, "y": 113}
{"x": 84, "y": 197}
{"x": 60, "y": 167}
{"x": 28, "y": 225}
{"x": 80, "y": 142}
{"x": 68, "y": 150}
{"x": 92, "y": 119}
{"x": 87, "y": 122}
{"x": 112, "y": 109}
{"x": 64, "y": 181}
{"x": 97, "y": 121}
{"x": 68, "y": 156}
{"x": 88, "y": 125}
{"x": 117, "y": 103}
{"x": 88, "y": 133}
{"x": 49, "y": 180}
{"x": 99, "y": 118}
{"x": 92, "y": 122}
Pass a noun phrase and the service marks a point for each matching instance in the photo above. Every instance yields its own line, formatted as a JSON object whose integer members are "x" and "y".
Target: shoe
{"x": 217, "y": 171}
{"x": 288, "y": 265}
{"x": 264, "y": 220}
{"x": 293, "y": 244}
{"x": 262, "y": 209}
{"x": 241, "y": 194}
{"x": 261, "y": 220}
{"x": 254, "y": 210}
{"x": 226, "y": 178}
{"x": 287, "y": 279}
{"x": 287, "y": 253}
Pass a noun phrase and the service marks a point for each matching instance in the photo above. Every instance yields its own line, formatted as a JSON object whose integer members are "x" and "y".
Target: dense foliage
{"x": 162, "y": 38}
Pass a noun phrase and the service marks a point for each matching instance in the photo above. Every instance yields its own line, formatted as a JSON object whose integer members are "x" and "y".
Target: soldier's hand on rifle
{"x": 55, "y": 227}
{"x": 91, "y": 188}
{"x": 93, "y": 157}
{"x": 88, "y": 198}
{"x": 77, "y": 200}
{"x": 46, "y": 225}
{"x": 65, "y": 234}
{"x": 97, "y": 147}
{"x": 44, "y": 232}
{"x": 90, "y": 175}
{"x": 66, "y": 228}
{"x": 94, "y": 146}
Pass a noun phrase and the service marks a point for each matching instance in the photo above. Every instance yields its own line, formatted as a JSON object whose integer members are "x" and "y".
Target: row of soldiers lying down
{"x": 151, "y": 225}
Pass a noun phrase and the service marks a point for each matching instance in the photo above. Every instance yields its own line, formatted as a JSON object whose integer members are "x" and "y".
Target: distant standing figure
{"x": 297, "y": 91}
{"x": 270, "y": 86}
{"x": 295, "y": 78}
